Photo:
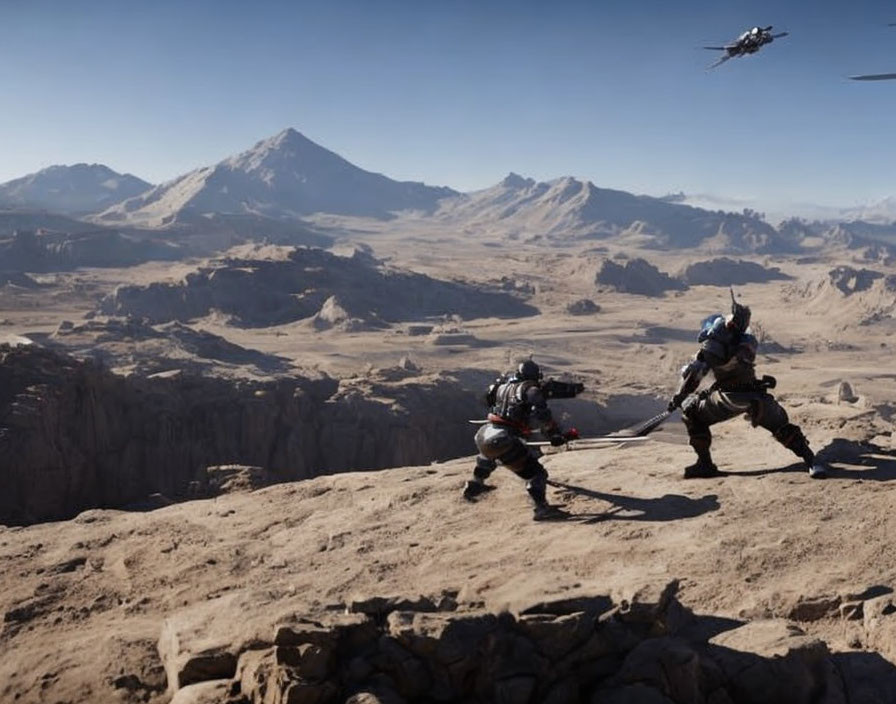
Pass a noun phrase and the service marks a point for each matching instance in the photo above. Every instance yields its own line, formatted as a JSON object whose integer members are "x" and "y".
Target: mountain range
{"x": 287, "y": 177}
{"x": 568, "y": 207}
{"x": 70, "y": 190}
{"x": 284, "y": 177}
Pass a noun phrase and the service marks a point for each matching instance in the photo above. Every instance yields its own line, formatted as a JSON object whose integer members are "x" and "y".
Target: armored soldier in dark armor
{"x": 729, "y": 350}
{"x": 516, "y": 402}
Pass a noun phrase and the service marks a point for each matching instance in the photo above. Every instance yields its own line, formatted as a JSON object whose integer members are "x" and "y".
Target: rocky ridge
{"x": 39, "y": 251}
{"x": 848, "y": 296}
{"x": 644, "y": 647}
{"x": 309, "y": 282}
{"x": 568, "y": 208}
{"x": 283, "y": 177}
{"x": 73, "y": 190}
{"x": 724, "y": 271}
{"x": 75, "y": 436}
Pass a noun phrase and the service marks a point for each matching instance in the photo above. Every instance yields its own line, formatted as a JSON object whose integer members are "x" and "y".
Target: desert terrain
{"x": 235, "y": 475}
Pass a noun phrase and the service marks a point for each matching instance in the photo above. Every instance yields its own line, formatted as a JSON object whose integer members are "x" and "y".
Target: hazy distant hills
{"x": 71, "y": 190}
{"x": 883, "y": 212}
{"x": 269, "y": 190}
{"x": 283, "y": 177}
{"x": 569, "y": 207}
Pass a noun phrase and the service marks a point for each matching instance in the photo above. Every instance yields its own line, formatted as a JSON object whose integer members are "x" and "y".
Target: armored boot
{"x": 791, "y": 437}
{"x": 476, "y": 486}
{"x": 704, "y": 467}
{"x": 536, "y": 487}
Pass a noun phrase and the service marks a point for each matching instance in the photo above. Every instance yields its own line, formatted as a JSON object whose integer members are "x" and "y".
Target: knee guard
{"x": 515, "y": 456}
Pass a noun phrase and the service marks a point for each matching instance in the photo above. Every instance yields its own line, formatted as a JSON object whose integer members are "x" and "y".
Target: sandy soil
{"x": 85, "y": 599}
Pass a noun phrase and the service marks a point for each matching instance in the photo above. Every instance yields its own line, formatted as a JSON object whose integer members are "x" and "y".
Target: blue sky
{"x": 460, "y": 92}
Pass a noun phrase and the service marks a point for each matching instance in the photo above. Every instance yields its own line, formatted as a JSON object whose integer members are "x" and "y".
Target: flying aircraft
{"x": 747, "y": 43}
{"x": 877, "y": 76}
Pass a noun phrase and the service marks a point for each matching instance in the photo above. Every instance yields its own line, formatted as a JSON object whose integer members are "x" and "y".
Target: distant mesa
{"x": 729, "y": 272}
{"x": 309, "y": 283}
{"x": 637, "y": 276}
{"x": 71, "y": 190}
{"x": 283, "y": 177}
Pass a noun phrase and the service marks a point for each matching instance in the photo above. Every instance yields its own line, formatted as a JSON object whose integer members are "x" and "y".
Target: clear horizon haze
{"x": 460, "y": 93}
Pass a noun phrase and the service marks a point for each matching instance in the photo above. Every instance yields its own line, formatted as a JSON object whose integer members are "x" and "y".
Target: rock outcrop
{"x": 134, "y": 346}
{"x": 583, "y": 306}
{"x": 637, "y": 276}
{"x": 643, "y": 649}
{"x": 729, "y": 272}
{"x": 75, "y": 436}
{"x": 258, "y": 293}
{"x": 29, "y": 250}
{"x": 849, "y": 280}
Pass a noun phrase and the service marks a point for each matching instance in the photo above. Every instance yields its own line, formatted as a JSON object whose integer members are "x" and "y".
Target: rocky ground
{"x": 131, "y": 604}
{"x": 87, "y": 601}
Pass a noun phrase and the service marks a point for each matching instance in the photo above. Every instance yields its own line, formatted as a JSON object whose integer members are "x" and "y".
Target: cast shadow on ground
{"x": 669, "y": 507}
{"x": 794, "y": 468}
{"x": 845, "y": 459}
{"x": 851, "y": 459}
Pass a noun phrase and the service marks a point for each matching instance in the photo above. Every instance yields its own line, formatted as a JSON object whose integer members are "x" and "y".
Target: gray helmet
{"x": 740, "y": 315}
{"x": 528, "y": 370}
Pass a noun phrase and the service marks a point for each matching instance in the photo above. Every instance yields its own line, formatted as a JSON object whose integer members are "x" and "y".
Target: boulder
{"x": 210, "y": 692}
{"x": 583, "y": 306}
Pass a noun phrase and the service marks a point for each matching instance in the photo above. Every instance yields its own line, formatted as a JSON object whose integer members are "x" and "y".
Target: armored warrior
{"x": 515, "y": 402}
{"x": 729, "y": 350}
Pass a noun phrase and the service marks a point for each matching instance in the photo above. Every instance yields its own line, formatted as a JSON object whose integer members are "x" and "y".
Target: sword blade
{"x": 645, "y": 427}
{"x": 584, "y": 443}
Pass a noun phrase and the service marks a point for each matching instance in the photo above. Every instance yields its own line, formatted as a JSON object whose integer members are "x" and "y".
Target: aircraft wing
{"x": 719, "y": 62}
{"x": 719, "y": 48}
{"x": 875, "y": 77}
{"x": 778, "y": 36}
